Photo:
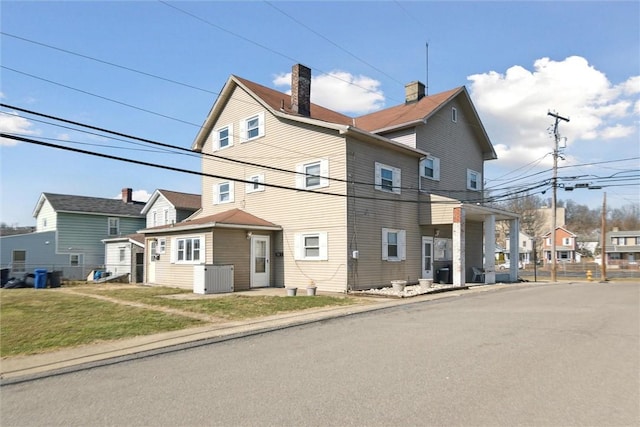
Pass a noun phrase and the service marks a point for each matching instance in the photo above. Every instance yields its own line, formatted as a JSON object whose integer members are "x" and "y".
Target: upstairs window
{"x": 566, "y": 241}
{"x": 255, "y": 185}
{"x": 387, "y": 178}
{"x": 430, "y": 168}
{"x": 114, "y": 226}
{"x": 223, "y": 193}
{"x": 313, "y": 174}
{"x": 474, "y": 180}
{"x": 223, "y": 137}
{"x": 454, "y": 115}
{"x": 252, "y": 127}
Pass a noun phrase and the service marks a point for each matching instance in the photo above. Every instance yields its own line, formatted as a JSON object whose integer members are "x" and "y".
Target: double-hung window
{"x": 393, "y": 244}
{"x": 162, "y": 245}
{"x": 256, "y": 183}
{"x": 252, "y": 127}
{"x": 223, "y": 193}
{"x": 188, "y": 250}
{"x": 566, "y": 241}
{"x": 474, "y": 180}
{"x": 454, "y": 115}
{"x": 311, "y": 246}
{"x": 114, "y": 226}
{"x": 430, "y": 168}
{"x": 387, "y": 178}
{"x": 122, "y": 253}
{"x": 74, "y": 260}
{"x": 313, "y": 174}
{"x": 223, "y": 137}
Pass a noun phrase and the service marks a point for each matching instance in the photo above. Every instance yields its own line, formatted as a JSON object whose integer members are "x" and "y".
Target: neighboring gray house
{"x": 525, "y": 248}
{"x": 622, "y": 248}
{"x": 69, "y": 233}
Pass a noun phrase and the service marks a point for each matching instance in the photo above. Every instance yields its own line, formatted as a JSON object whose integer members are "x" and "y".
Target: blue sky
{"x": 518, "y": 60}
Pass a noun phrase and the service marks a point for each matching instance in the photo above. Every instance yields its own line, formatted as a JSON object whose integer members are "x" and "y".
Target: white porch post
{"x": 458, "y": 247}
{"x": 490, "y": 249}
{"x": 514, "y": 248}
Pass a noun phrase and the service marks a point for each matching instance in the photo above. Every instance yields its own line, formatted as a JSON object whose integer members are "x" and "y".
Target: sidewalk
{"x": 22, "y": 368}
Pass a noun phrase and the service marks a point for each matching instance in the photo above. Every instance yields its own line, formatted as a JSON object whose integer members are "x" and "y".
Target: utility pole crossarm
{"x": 554, "y": 184}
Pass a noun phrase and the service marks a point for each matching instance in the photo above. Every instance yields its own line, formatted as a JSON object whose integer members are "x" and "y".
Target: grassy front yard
{"x": 35, "y": 321}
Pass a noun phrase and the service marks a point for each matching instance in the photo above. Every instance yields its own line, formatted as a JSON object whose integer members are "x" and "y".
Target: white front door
{"x": 259, "y": 261}
{"x": 151, "y": 270}
{"x": 427, "y": 257}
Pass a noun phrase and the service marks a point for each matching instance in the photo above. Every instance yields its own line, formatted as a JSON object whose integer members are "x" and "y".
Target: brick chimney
{"x": 127, "y": 195}
{"x": 301, "y": 90}
{"x": 414, "y": 91}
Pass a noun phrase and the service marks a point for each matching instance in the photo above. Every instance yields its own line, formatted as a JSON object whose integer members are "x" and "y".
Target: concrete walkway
{"x": 24, "y": 368}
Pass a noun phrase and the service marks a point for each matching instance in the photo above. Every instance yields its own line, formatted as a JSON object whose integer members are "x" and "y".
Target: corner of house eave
{"x": 39, "y": 204}
{"x": 207, "y": 125}
{"x": 381, "y": 139}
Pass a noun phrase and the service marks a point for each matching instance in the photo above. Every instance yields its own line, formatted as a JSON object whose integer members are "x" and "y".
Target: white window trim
{"x": 216, "y": 137}
{"x": 299, "y": 250}
{"x": 454, "y": 114}
{"x": 162, "y": 246}
{"x": 216, "y": 193}
{"x": 122, "y": 254}
{"x": 478, "y": 180}
{"x": 243, "y": 127}
{"x": 165, "y": 215}
{"x": 77, "y": 257}
{"x": 117, "y": 221}
{"x": 154, "y": 218}
{"x": 257, "y": 179}
{"x": 402, "y": 251}
{"x": 174, "y": 250}
{"x": 396, "y": 176}
{"x": 436, "y": 168}
{"x": 301, "y": 176}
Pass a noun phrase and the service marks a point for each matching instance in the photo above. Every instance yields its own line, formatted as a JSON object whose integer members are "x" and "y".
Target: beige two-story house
{"x": 294, "y": 193}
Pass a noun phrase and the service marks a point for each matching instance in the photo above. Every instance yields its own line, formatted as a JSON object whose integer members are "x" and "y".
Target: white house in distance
{"x": 124, "y": 255}
{"x": 346, "y": 203}
{"x": 526, "y": 248}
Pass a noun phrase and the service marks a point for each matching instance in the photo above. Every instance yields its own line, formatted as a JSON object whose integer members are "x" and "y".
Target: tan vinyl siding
{"x": 387, "y": 210}
{"x": 458, "y": 149}
{"x": 233, "y": 247}
{"x": 284, "y": 146}
{"x": 169, "y": 273}
{"x": 437, "y": 209}
{"x": 405, "y": 136}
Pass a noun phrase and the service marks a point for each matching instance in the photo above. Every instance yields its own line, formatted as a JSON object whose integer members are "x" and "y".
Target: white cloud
{"x": 514, "y": 105}
{"x": 342, "y": 91}
{"x": 11, "y": 122}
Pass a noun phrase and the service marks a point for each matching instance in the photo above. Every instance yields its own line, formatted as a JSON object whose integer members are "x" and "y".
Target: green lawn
{"x": 231, "y": 307}
{"x": 36, "y": 321}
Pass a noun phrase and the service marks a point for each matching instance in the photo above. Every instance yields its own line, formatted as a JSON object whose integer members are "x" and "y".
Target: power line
{"x": 187, "y": 171}
{"x": 443, "y": 192}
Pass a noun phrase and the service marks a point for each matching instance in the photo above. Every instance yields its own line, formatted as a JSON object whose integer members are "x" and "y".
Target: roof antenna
{"x": 427, "y": 82}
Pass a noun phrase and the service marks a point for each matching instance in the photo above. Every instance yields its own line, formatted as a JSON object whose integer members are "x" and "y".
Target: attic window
{"x": 454, "y": 115}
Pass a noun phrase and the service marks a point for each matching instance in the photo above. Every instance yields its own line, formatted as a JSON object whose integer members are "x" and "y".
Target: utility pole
{"x": 555, "y": 187}
{"x": 603, "y": 240}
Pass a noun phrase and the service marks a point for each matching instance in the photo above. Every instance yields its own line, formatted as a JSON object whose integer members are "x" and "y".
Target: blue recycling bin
{"x": 41, "y": 278}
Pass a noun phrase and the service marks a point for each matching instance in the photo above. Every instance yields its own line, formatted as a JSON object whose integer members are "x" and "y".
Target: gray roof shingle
{"x": 94, "y": 205}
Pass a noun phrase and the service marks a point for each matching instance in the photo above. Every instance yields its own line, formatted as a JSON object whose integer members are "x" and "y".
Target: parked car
{"x": 507, "y": 265}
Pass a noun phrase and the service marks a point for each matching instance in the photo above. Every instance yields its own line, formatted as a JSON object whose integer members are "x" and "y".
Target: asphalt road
{"x": 545, "y": 355}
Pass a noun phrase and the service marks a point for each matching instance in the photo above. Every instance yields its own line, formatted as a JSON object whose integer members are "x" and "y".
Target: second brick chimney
{"x": 127, "y": 195}
{"x": 414, "y": 91}
{"x": 301, "y": 90}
